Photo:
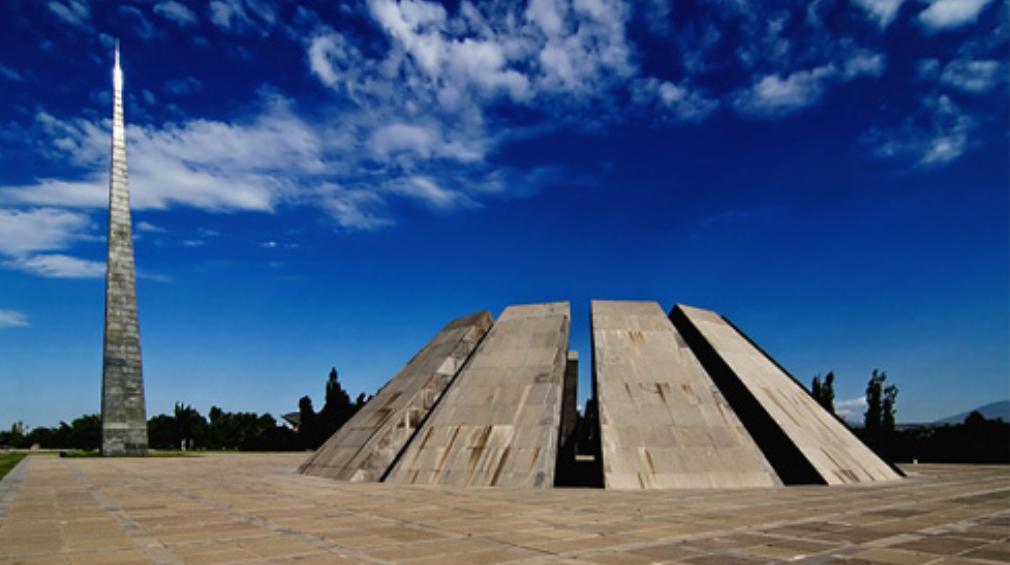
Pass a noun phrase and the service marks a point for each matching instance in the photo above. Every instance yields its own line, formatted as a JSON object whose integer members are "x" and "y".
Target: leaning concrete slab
{"x": 663, "y": 422}
{"x": 802, "y": 440}
{"x": 498, "y": 424}
{"x": 364, "y": 448}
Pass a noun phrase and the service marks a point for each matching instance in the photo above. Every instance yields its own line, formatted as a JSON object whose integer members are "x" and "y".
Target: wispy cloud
{"x": 775, "y": 95}
{"x": 148, "y": 227}
{"x": 74, "y": 12}
{"x": 11, "y": 74}
{"x": 12, "y": 319}
{"x": 57, "y": 266}
{"x": 423, "y": 98}
{"x": 851, "y": 409}
{"x": 937, "y": 135}
{"x": 242, "y": 16}
{"x": 883, "y": 11}
{"x": 40, "y": 229}
{"x": 138, "y": 23}
{"x": 175, "y": 12}
{"x": 974, "y": 76}
{"x": 943, "y": 15}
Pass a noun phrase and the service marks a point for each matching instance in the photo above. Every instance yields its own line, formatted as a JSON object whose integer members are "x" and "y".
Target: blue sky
{"x": 326, "y": 183}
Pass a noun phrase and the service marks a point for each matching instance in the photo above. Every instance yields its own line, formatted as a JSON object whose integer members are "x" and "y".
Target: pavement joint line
{"x": 10, "y": 484}
{"x": 426, "y": 528}
{"x": 309, "y": 538}
{"x": 407, "y": 523}
{"x": 937, "y": 504}
{"x": 770, "y": 525}
{"x": 154, "y": 550}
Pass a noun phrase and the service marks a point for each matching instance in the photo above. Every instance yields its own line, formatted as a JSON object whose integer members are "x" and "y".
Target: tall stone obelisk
{"x": 124, "y": 415}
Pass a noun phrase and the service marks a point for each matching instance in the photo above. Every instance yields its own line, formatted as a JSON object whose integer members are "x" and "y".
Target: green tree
{"x": 190, "y": 426}
{"x": 162, "y": 432}
{"x": 86, "y": 432}
{"x": 337, "y": 409}
{"x": 308, "y": 431}
{"x": 887, "y": 416}
{"x": 816, "y": 389}
{"x": 827, "y": 399}
{"x": 873, "y": 417}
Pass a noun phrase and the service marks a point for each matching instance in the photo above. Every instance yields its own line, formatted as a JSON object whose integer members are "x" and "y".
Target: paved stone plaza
{"x": 255, "y": 508}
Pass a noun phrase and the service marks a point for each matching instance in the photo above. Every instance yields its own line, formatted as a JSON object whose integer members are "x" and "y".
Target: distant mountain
{"x": 991, "y": 411}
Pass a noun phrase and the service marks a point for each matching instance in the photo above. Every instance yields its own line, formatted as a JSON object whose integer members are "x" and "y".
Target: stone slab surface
{"x": 256, "y": 509}
{"x": 498, "y": 424}
{"x": 663, "y": 422}
{"x": 364, "y": 448}
{"x": 837, "y": 455}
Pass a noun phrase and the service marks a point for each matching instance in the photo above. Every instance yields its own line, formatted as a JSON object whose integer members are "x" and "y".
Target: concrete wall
{"x": 498, "y": 423}
{"x": 364, "y": 448}
{"x": 802, "y": 440}
{"x": 663, "y": 422}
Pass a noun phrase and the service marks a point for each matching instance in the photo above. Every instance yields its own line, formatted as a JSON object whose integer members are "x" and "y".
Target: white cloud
{"x": 206, "y": 164}
{"x": 228, "y": 13}
{"x": 242, "y": 16}
{"x": 74, "y": 12}
{"x": 421, "y": 141}
{"x": 774, "y": 95}
{"x": 149, "y": 227}
{"x": 40, "y": 229}
{"x": 13, "y": 319}
{"x": 57, "y": 266}
{"x": 24, "y": 233}
{"x": 420, "y": 112}
{"x": 176, "y": 12}
{"x": 937, "y": 135}
{"x": 975, "y": 77}
{"x": 850, "y": 409}
{"x": 943, "y": 15}
{"x": 429, "y": 192}
{"x": 354, "y": 209}
{"x": 680, "y": 102}
{"x": 140, "y": 24}
{"x": 863, "y": 62}
{"x": 883, "y": 11}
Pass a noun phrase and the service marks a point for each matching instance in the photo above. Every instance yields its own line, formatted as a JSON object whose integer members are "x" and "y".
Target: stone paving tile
{"x": 254, "y": 509}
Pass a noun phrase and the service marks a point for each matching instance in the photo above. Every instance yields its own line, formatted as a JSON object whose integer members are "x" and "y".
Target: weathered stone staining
{"x": 365, "y": 447}
{"x": 498, "y": 424}
{"x": 124, "y": 415}
{"x": 685, "y": 401}
{"x": 804, "y": 442}
{"x": 663, "y": 423}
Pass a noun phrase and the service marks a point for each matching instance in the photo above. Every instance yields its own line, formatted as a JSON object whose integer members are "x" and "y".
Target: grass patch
{"x": 8, "y": 461}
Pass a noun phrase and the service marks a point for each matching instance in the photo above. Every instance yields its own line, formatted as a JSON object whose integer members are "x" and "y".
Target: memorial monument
{"x": 124, "y": 415}
{"x": 684, "y": 400}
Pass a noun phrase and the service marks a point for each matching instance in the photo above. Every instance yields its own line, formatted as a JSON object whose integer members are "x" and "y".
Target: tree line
{"x": 186, "y": 428}
{"x": 975, "y": 440}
